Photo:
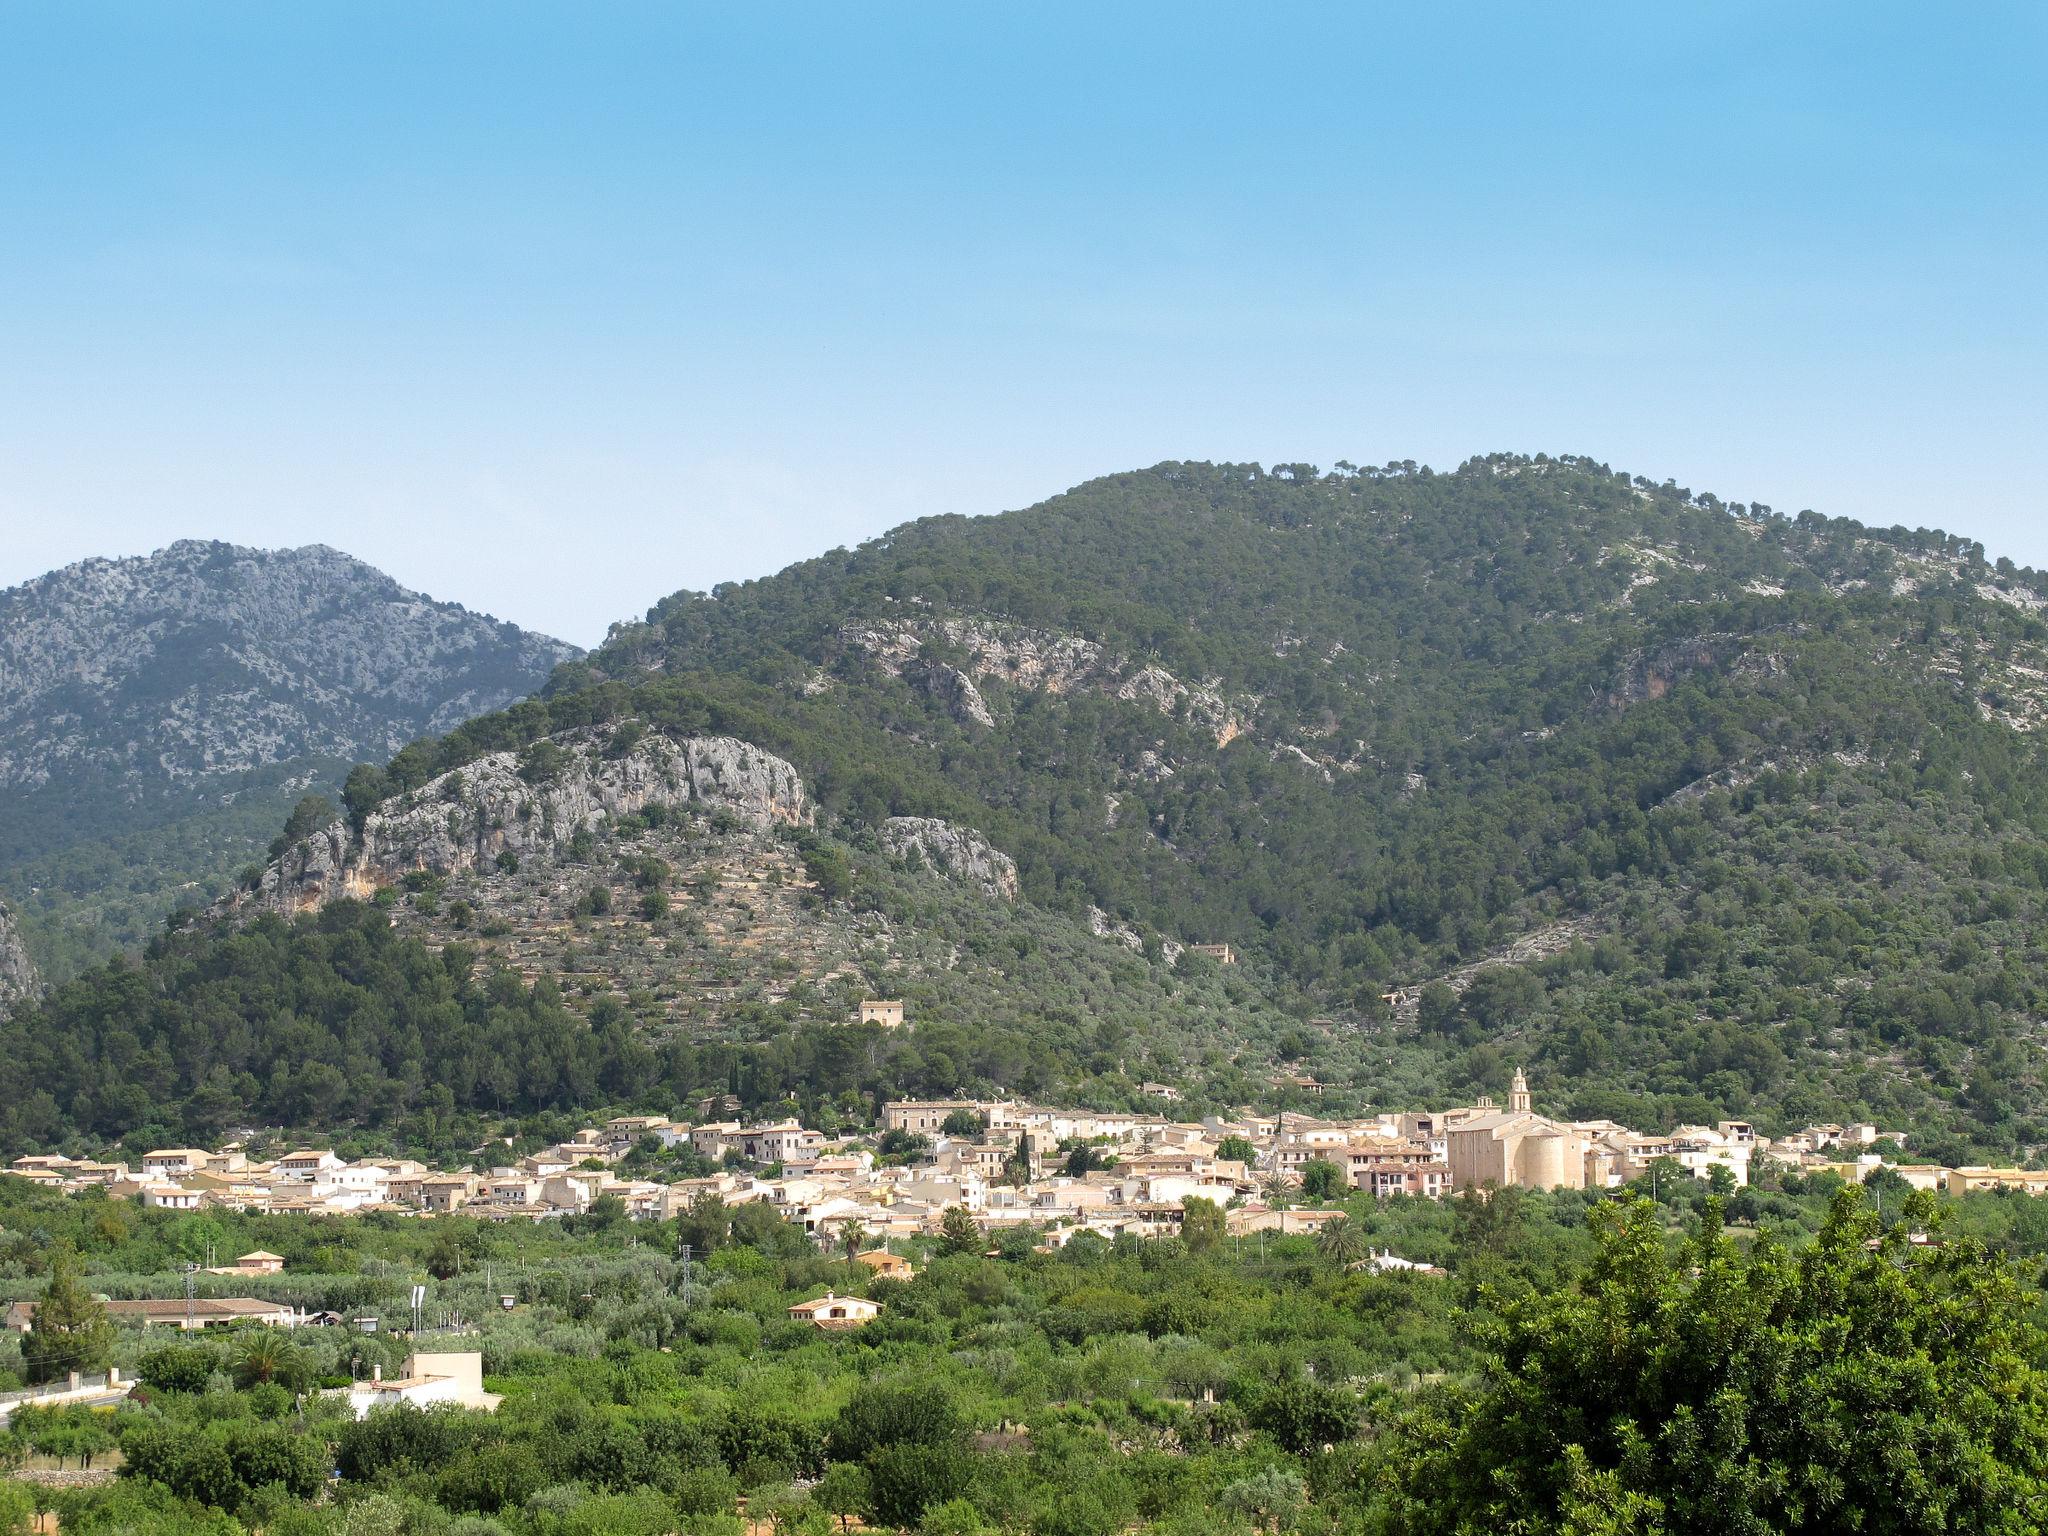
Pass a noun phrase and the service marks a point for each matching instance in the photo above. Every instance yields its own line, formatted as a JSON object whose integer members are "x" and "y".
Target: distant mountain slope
{"x": 157, "y": 715}
{"x": 1693, "y": 809}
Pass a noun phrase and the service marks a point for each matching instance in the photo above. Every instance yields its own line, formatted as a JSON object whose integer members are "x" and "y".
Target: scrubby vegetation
{"x": 1588, "y": 1364}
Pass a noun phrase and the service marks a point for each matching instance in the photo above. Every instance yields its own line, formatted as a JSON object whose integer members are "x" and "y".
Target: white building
{"x": 454, "y": 1379}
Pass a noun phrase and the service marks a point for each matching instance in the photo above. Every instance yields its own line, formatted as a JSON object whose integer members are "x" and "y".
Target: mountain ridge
{"x": 1473, "y": 697}
{"x": 1774, "y": 787}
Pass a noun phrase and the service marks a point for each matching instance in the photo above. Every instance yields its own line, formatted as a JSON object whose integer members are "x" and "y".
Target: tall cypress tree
{"x": 71, "y": 1331}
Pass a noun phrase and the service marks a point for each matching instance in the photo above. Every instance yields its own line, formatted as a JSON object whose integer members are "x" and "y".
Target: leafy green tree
{"x": 955, "y": 1517}
{"x": 790, "y": 1512}
{"x": 1865, "y": 1383}
{"x": 829, "y": 872}
{"x": 1303, "y": 1415}
{"x": 310, "y": 815}
{"x": 906, "y": 1479}
{"x": 266, "y": 1456}
{"x": 1201, "y": 1224}
{"x": 1268, "y": 1499}
{"x": 543, "y": 763}
{"x": 705, "y": 1493}
{"x": 177, "y": 1368}
{"x": 1321, "y": 1179}
{"x": 1437, "y": 1009}
{"x": 1084, "y": 1158}
{"x": 1237, "y": 1149}
{"x": 843, "y": 1491}
{"x": 900, "y": 1412}
{"x": 70, "y": 1330}
{"x": 706, "y": 1225}
{"x": 362, "y": 792}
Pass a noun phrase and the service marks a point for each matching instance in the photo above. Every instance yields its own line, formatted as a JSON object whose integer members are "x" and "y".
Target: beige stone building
{"x": 1516, "y": 1146}
{"x": 1971, "y": 1181}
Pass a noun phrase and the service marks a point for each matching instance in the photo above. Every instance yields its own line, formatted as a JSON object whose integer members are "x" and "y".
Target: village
{"x": 1006, "y": 1164}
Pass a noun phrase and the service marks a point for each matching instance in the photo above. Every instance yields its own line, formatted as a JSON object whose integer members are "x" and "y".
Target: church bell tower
{"x": 1518, "y": 1094}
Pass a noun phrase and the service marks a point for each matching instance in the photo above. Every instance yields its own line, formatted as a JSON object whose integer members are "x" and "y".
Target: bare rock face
{"x": 1036, "y": 660}
{"x": 954, "y": 690}
{"x": 959, "y": 853}
{"x": 472, "y": 817}
{"x": 1103, "y": 926}
{"x": 1646, "y": 676}
{"x": 18, "y": 980}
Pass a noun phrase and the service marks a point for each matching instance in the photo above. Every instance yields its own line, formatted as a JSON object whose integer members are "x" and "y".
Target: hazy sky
{"x": 552, "y": 310}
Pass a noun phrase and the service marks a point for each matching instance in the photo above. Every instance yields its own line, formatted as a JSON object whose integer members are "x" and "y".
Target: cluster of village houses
{"x": 1004, "y": 1163}
{"x": 1009, "y": 1170}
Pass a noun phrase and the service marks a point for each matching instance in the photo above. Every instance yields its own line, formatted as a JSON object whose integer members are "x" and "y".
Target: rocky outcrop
{"x": 1103, "y": 926}
{"x": 953, "y": 689}
{"x": 1530, "y": 949}
{"x": 531, "y": 804}
{"x": 958, "y": 853}
{"x": 1647, "y": 676}
{"x": 924, "y": 652}
{"x": 18, "y": 980}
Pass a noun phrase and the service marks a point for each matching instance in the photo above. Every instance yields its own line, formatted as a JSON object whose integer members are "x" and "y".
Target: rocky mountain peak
{"x": 210, "y": 658}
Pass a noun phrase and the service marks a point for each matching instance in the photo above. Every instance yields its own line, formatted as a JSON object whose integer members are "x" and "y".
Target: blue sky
{"x": 555, "y": 309}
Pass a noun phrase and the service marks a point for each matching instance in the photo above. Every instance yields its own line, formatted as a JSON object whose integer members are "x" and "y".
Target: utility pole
{"x": 684, "y": 1255}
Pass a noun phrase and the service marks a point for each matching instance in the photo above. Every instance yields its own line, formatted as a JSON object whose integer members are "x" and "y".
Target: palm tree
{"x": 1276, "y": 1184}
{"x": 1343, "y": 1242}
{"x": 265, "y": 1356}
{"x": 854, "y": 1237}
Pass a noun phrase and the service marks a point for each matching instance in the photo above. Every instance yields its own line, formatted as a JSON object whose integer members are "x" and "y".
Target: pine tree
{"x": 957, "y": 1231}
{"x": 70, "y": 1331}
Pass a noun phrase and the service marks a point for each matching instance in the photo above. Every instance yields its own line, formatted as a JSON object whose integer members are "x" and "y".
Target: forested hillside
{"x": 159, "y": 716}
{"x": 1693, "y": 808}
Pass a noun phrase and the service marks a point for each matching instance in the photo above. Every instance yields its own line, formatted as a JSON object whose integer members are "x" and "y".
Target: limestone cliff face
{"x": 959, "y": 853}
{"x": 467, "y": 819}
{"x": 1042, "y": 661}
{"x": 18, "y": 980}
{"x": 953, "y": 689}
